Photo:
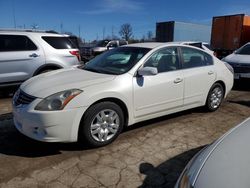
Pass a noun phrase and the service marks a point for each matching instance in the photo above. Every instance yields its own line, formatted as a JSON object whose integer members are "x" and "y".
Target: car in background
{"x": 118, "y": 88}
{"x": 240, "y": 61}
{"x": 100, "y": 47}
{"x": 27, "y": 53}
{"x": 202, "y": 45}
{"x": 224, "y": 164}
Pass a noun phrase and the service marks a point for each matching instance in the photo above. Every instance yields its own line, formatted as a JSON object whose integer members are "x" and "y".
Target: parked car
{"x": 118, "y": 88}
{"x": 24, "y": 54}
{"x": 240, "y": 61}
{"x": 100, "y": 47}
{"x": 202, "y": 45}
{"x": 224, "y": 163}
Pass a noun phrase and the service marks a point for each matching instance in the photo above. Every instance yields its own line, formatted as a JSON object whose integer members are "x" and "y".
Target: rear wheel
{"x": 46, "y": 70}
{"x": 215, "y": 97}
{"x": 101, "y": 124}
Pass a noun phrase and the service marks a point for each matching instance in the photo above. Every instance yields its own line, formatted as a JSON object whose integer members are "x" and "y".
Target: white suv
{"x": 24, "y": 54}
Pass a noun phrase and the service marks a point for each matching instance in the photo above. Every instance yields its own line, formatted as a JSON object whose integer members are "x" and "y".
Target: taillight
{"x": 76, "y": 53}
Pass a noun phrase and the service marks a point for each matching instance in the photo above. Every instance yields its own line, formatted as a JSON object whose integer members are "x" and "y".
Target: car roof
{"x": 153, "y": 45}
{"x": 147, "y": 45}
{"x": 190, "y": 42}
{"x": 36, "y": 33}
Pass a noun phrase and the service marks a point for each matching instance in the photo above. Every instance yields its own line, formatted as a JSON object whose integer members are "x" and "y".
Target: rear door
{"x": 199, "y": 75}
{"x": 19, "y": 57}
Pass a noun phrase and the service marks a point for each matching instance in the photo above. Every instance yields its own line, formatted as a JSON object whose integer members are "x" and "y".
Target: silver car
{"x": 24, "y": 54}
{"x": 223, "y": 164}
{"x": 240, "y": 61}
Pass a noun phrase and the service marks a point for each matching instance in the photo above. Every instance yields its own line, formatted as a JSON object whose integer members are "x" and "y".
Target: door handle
{"x": 178, "y": 80}
{"x": 210, "y": 72}
{"x": 33, "y": 55}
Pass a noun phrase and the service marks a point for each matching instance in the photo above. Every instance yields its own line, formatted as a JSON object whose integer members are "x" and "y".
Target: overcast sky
{"x": 98, "y": 17}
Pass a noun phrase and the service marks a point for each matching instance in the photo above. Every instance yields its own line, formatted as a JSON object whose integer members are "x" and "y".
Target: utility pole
{"x": 103, "y": 33}
{"x": 14, "y": 14}
{"x": 79, "y": 31}
{"x": 61, "y": 27}
{"x": 112, "y": 32}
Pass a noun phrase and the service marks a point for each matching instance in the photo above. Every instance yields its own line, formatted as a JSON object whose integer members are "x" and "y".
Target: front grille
{"x": 241, "y": 68}
{"x": 22, "y": 98}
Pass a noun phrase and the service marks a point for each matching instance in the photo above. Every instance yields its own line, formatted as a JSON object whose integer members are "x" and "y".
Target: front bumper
{"x": 241, "y": 70}
{"x": 241, "y": 75}
{"x": 48, "y": 126}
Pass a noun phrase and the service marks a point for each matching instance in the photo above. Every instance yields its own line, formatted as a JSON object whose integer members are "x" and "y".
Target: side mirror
{"x": 147, "y": 71}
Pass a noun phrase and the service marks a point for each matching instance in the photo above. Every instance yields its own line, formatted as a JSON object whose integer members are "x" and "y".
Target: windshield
{"x": 245, "y": 50}
{"x": 116, "y": 61}
{"x": 102, "y": 43}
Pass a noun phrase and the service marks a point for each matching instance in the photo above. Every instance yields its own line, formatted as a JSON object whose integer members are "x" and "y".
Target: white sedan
{"x": 121, "y": 87}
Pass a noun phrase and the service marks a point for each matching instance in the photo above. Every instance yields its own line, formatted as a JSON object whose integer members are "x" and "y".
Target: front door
{"x": 162, "y": 92}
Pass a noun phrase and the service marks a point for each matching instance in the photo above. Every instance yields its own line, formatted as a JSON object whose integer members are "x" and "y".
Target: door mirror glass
{"x": 147, "y": 71}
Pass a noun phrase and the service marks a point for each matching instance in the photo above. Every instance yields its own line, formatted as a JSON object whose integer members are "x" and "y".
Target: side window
{"x": 164, "y": 60}
{"x": 16, "y": 43}
{"x": 121, "y": 43}
{"x": 195, "y": 58}
{"x": 113, "y": 44}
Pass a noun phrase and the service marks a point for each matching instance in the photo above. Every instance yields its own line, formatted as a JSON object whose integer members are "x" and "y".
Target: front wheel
{"x": 101, "y": 124}
{"x": 215, "y": 97}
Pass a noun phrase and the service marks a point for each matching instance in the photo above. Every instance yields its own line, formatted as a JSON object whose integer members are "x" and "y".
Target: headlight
{"x": 57, "y": 101}
{"x": 184, "y": 181}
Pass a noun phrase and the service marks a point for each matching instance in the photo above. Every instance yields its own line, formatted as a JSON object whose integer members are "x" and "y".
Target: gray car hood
{"x": 49, "y": 83}
{"x": 228, "y": 162}
{"x": 237, "y": 58}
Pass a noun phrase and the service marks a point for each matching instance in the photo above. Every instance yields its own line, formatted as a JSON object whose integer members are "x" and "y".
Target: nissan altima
{"x": 118, "y": 88}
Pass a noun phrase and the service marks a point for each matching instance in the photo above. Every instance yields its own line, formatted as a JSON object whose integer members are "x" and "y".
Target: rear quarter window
{"x": 195, "y": 58}
{"x": 60, "y": 42}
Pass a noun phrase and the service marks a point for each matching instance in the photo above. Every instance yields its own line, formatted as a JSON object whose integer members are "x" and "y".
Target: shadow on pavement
{"x": 7, "y": 92}
{"x": 14, "y": 143}
{"x": 242, "y": 85}
{"x": 163, "y": 119}
{"x": 245, "y": 103}
{"x": 167, "y": 173}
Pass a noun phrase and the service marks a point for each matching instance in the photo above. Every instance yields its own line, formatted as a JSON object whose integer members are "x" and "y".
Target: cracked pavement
{"x": 148, "y": 154}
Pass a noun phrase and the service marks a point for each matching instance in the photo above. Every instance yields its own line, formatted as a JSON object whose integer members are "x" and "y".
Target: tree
{"x": 126, "y": 31}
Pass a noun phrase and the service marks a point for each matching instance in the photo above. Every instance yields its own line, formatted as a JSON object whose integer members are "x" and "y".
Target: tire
{"x": 44, "y": 71}
{"x": 215, "y": 97}
{"x": 101, "y": 124}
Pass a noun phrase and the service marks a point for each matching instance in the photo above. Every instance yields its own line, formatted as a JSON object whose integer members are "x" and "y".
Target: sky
{"x": 95, "y": 19}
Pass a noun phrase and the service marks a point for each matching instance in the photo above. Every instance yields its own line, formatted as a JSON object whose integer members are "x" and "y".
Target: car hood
{"x": 49, "y": 83}
{"x": 237, "y": 58}
{"x": 227, "y": 162}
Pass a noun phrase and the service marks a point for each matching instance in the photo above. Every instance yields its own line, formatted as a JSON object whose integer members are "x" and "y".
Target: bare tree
{"x": 126, "y": 31}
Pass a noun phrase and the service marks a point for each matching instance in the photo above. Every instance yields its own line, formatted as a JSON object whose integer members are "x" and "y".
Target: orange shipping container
{"x": 230, "y": 32}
